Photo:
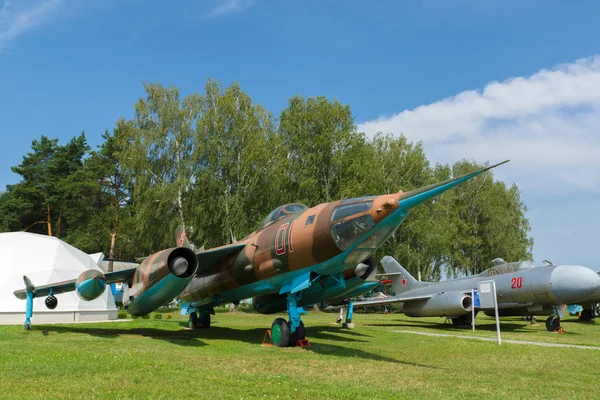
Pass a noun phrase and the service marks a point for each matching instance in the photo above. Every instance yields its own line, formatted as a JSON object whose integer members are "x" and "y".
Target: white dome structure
{"x": 46, "y": 259}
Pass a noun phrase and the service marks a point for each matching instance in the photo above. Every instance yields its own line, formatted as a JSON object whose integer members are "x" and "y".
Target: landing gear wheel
{"x": 552, "y": 323}
{"x": 586, "y": 315}
{"x": 280, "y": 333}
{"x": 205, "y": 321}
{"x": 51, "y": 302}
{"x": 463, "y": 321}
{"x": 300, "y": 334}
{"x": 27, "y": 326}
{"x": 193, "y": 323}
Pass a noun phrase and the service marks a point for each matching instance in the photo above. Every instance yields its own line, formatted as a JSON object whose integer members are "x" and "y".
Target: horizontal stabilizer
{"x": 210, "y": 257}
{"x": 390, "y": 300}
{"x": 69, "y": 286}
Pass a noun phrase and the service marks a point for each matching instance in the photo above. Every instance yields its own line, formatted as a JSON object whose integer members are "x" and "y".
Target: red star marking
{"x": 403, "y": 281}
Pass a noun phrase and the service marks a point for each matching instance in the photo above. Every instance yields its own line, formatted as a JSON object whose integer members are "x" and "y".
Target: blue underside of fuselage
{"x": 157, "y": 295}
{"x": 332, "y": 266}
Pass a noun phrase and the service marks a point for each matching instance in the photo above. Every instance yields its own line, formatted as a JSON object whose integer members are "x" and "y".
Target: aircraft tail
{"x": 181, "y": 239}
{"x": 401, "y": 279}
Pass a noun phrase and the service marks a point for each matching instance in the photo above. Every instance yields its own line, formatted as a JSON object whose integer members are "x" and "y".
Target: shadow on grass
{"x": 181, "y": 338}
{"x": 333, "y": 350}
{"x": 506, "y": 326}
{"x": 254, "y": 336}
{"x": 330, "y": 333}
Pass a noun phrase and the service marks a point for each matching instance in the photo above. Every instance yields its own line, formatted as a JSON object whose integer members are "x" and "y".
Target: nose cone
{"x": 573, "y": 283}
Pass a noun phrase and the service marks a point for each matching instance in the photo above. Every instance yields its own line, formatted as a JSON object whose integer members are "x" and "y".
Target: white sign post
{"x": 488, "y": 299}
{"x": 473, "y": 309}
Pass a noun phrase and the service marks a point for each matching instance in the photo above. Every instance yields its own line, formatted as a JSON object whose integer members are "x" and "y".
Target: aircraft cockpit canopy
{"x": 507, "y": 268}
{"x": 282, "y": 212}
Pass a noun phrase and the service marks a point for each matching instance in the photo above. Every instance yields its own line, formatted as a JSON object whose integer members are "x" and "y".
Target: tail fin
{"x": 401, "y": 279}
{"x": 181, "y": 239}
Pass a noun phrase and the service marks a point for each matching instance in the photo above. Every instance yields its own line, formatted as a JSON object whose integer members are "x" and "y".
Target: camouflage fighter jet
{"x": 298, "y": 256}
{"x": 523, "y": 289}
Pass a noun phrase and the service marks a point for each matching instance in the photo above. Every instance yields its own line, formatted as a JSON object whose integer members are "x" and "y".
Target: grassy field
{"x": 150, "y": 358}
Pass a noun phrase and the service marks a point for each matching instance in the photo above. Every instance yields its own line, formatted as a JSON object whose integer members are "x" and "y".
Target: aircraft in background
{"x": 298, "y": 255}
{"x": 522, "y": 289}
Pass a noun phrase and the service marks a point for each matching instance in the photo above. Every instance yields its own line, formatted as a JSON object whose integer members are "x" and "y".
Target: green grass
{"x": 151, "y": 358}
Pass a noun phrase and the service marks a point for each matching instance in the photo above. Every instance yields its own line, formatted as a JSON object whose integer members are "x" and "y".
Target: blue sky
{"x": 480, "y": 80}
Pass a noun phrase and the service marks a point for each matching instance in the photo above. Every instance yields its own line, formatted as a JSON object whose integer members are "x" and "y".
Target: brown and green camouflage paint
{"x": 294, "y": 242}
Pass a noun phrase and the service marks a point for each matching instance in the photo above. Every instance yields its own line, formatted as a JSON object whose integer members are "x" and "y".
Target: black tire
{"x": 300, "y": 334}
{"x": 462, "y": 321}
{"x": 552, "y": 323}
{"x": 193, "y": 324}
{"x": 51, "y": 302}
{"x": 205, "y": 322}
{"x": 280, "y": 333}
{"x": 586, "y": 315}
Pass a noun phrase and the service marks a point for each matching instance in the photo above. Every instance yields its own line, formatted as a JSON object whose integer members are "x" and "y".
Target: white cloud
{"x": 548, "y": 124}
{"x": 226, "y": 7}
{"x": 18, "y": 17}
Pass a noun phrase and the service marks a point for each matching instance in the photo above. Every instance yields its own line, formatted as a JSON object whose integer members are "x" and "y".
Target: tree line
{"x": 217, "y": 163}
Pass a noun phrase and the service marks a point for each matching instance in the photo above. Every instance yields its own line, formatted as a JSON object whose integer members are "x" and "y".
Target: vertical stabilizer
{"x": 181, "y": 239}
{"x": 401, "y": 279}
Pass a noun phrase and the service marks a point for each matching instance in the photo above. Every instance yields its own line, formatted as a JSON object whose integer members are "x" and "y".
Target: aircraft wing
{"x": 210, "y": 257}
{"x": 69, "y": 286}
{"x": 388, "y": 275}
{"x": 389, "y": 300}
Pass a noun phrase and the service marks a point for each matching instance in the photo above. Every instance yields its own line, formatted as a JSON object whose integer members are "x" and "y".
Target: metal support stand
{"x": 496, "y": 311}
{"x": 488, "y": 298}
{"x": 473, "y": 309}
{"x": 348, "y": 324}
{"x": 341, "y": 317}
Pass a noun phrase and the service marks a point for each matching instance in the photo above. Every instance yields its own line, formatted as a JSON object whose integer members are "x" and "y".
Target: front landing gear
{"x": 282, "y": 337}
{"x": 553, "y": 323}
{"x": 280, "y": 333}
{"x": 291, "y": 333}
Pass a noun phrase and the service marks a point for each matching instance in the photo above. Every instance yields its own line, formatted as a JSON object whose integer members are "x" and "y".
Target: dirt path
{"x": 526, "y": 342}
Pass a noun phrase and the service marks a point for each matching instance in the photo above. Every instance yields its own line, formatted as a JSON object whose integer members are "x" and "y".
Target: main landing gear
{"x": 202, "y": 321}
{"x": 588, "y": 313}
{"x": 290, "y": 333}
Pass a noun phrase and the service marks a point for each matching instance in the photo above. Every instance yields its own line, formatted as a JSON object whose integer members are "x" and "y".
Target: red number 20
{"x": 517, "y": 283}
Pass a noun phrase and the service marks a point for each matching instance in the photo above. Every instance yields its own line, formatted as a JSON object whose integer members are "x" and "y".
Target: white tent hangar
{"x": 46, "y": 259}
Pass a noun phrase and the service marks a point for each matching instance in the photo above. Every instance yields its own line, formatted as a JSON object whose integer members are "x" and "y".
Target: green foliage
{"x": 217, "y": 163}
{"x": 488, "y": 221}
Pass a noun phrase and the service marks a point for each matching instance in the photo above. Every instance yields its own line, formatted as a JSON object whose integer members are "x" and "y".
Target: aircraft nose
{"x": 573, "y": 283}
